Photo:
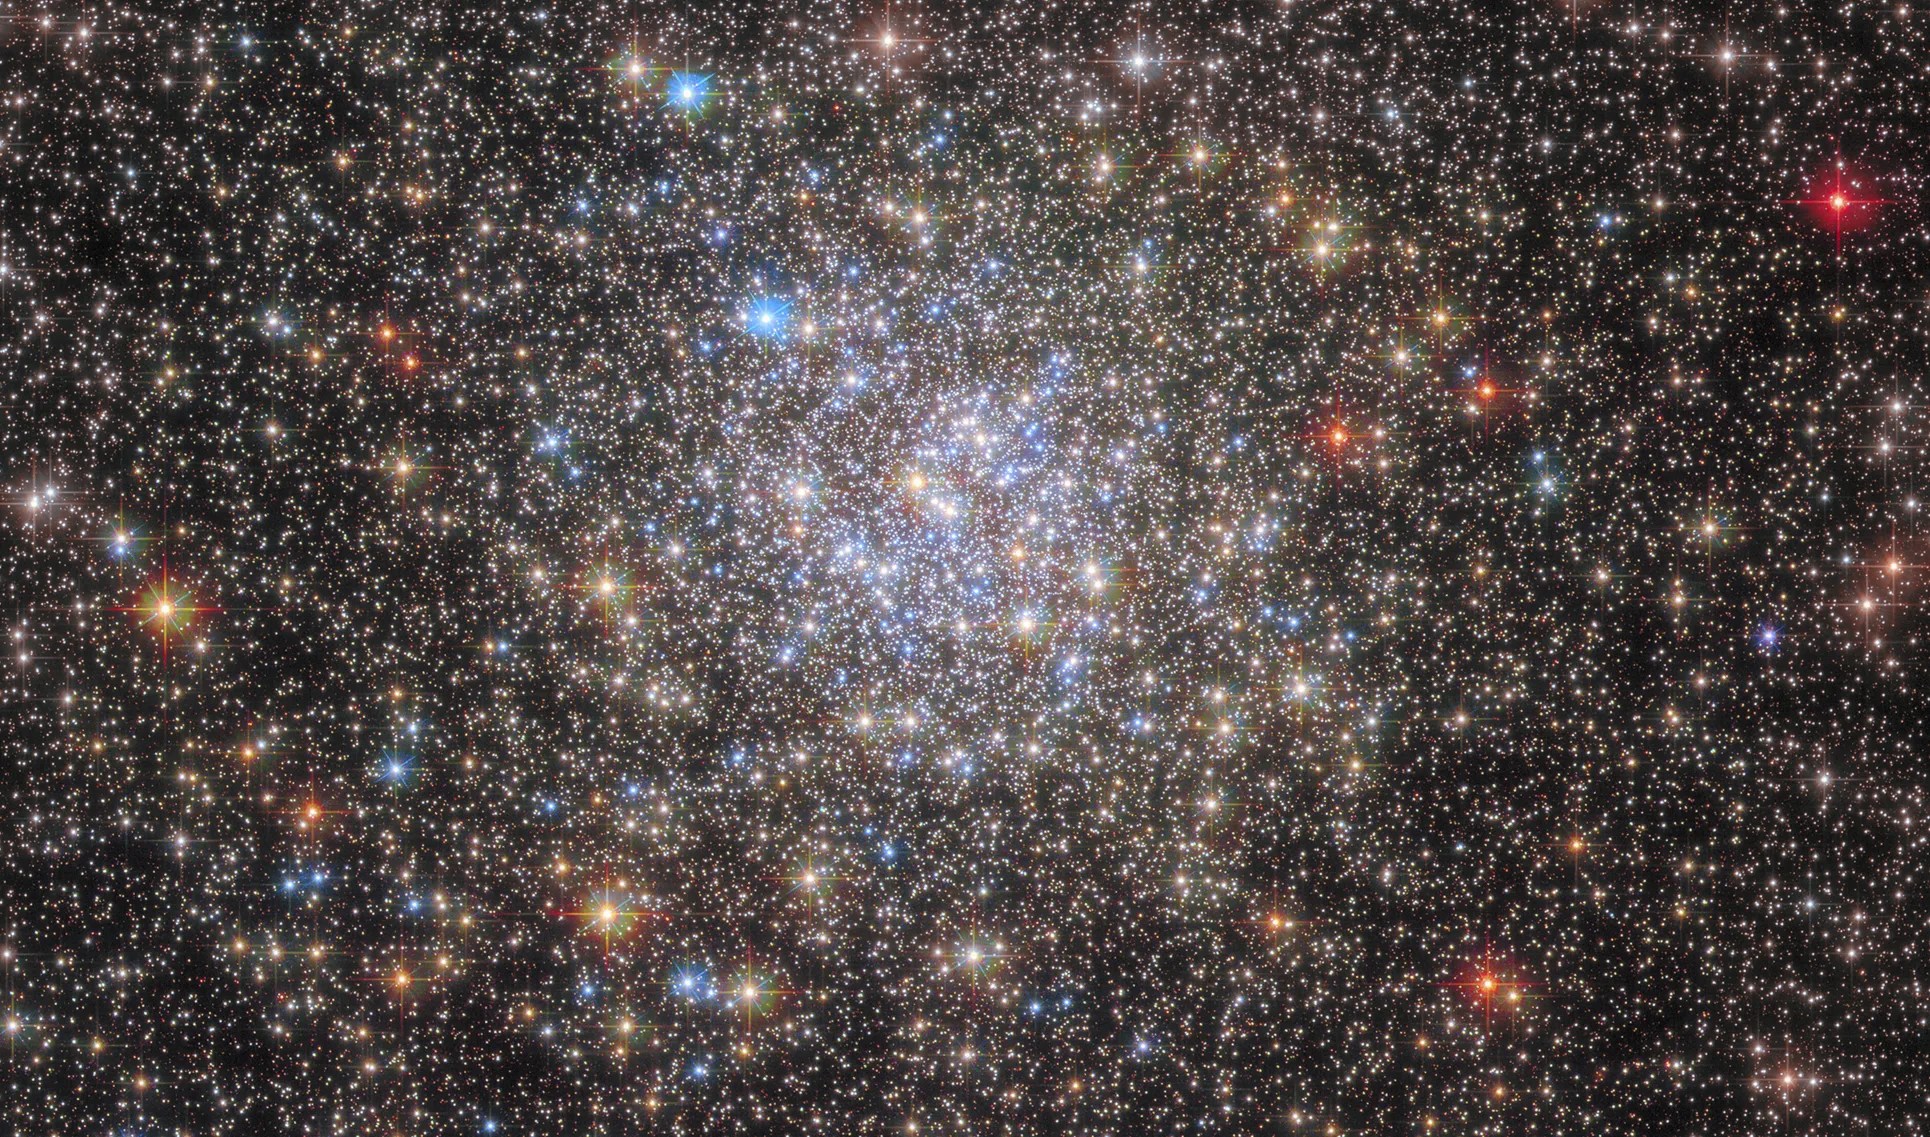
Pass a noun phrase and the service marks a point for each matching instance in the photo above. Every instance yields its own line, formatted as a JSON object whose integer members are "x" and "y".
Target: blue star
{"x": 769, "y": 317}
{"x": 687, "y": 90}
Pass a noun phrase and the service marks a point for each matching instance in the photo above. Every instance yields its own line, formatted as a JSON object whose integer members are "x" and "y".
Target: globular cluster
{"x": 881, "y": 566}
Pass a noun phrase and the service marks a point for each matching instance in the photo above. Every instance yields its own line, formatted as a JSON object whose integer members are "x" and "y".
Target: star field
{"x": 1308, "y": 567}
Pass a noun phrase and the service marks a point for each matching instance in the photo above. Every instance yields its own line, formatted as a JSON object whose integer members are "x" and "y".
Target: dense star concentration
{"x": 1311, "y": 567}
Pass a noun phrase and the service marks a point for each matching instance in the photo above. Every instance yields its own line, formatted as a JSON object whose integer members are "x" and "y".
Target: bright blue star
{"x": 396, "y": 767}
{"x": 687, "y": 90}
{"x": 769, "y": 317}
